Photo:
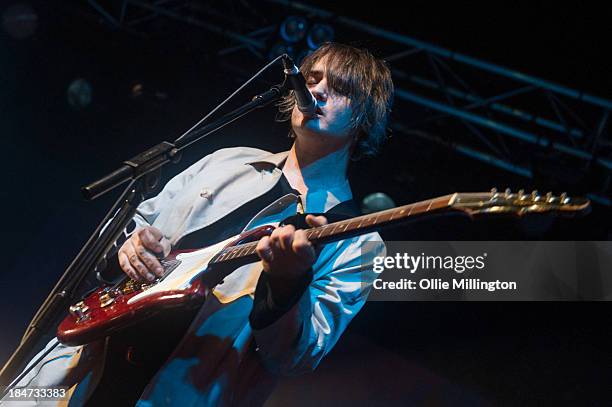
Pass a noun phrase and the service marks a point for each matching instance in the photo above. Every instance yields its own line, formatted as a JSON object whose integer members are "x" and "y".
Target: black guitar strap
{"x": 344, "y": 210}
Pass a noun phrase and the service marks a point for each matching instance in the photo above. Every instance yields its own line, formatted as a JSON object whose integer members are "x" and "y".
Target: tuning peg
{"x": 549, "y": 197}
{"x": 563, "y": 198}
{"x": 534, "y": 195}
{"x": 521, "y": 194}
{"x": 508, "y": 192}
{"x": 493, "y": 190}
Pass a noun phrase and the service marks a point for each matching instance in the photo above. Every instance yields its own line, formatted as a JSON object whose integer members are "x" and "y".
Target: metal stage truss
{"x": 520, "y": 123}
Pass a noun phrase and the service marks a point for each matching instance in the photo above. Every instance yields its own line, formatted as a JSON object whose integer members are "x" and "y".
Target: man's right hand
{"x": 139, "y": 255}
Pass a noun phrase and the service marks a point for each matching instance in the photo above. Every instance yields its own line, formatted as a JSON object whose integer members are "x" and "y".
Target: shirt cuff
{"x": 266, "y": 310}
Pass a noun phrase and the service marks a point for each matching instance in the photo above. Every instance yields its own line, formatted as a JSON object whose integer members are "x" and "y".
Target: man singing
{"x": 280, "y": 316}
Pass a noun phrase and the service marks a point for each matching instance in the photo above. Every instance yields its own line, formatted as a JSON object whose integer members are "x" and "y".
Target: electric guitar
{"x": 188, "y": 275}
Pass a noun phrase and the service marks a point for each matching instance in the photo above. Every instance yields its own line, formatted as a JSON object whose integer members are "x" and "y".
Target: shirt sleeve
{"x": 149, "y": 210}
{"x": 296, "y": 341}
{"x": 265, "y": 309}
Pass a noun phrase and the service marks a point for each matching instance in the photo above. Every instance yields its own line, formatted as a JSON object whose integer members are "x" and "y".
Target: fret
{"x": 238, "y": 251}
{"x": 338, "y": 227}
{"x": 387, "y": 216}
{"x": 325, "y": 231}
{"x": 250, "y": 248}
{"x": 231, "y": 254}
{"x": 241, "y": 251}
{"x": 367, "y": 221}
{"x": 314, "y": 233}
{"x": 419, "y": 207}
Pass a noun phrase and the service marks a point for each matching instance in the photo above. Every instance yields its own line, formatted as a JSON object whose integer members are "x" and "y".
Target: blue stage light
{"x": 293, "y": 29}
{"x": 319, "y": 34}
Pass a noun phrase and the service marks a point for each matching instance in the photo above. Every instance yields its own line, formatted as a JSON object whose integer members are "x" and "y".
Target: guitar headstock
{"x": 518, "y": 203}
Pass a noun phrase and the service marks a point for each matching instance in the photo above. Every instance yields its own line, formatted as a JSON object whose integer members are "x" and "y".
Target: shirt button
{"x": 206, "y": 194}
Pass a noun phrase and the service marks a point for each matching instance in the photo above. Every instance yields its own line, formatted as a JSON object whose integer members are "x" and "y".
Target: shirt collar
{"x": 314, "y": 201}
{"x": 276, "y": 159}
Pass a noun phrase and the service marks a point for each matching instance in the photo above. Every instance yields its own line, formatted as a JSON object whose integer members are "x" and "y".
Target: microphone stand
{"x": 143, "y": 173}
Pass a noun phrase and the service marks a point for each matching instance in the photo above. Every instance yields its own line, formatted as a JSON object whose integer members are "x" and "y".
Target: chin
{"x": 301, "y": 121}
{"x": 309, "y": 127}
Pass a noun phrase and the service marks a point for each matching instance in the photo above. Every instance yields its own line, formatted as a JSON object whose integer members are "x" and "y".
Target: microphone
{"x": 306, "y": 102}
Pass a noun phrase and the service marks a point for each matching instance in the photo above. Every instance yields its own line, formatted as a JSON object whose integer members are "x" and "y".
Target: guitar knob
{"x": 106, "y": 300}
{"x": 79, "y": 310}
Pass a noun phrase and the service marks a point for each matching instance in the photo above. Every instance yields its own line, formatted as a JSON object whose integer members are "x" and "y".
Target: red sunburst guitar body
{"x": 112, "y": 308}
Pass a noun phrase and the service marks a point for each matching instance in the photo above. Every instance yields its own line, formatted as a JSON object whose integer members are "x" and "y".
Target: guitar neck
{"x": 374, "y": 221}
{"x": 349, "y": 227}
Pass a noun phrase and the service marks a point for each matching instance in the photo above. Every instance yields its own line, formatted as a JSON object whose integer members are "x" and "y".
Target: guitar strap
{"x": 344, "y": 210}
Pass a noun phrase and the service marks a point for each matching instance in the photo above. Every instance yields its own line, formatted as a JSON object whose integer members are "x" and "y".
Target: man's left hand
{"x": 287, "y": 254}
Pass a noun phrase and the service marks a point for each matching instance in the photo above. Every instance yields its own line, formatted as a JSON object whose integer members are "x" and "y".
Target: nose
{"x": 319, "y": 91}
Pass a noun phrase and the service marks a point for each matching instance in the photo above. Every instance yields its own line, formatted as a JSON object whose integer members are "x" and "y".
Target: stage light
{"x": 375, "y": 202}
{"x": 136, "y": 90}
{"x": 20, "y": 21}
{"x": 293, "y": 29}
{"x": 79, "y": 93}
{"x": 319, "y": 34}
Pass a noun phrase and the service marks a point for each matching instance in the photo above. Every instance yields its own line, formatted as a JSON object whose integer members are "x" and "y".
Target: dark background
{"x": 504, "y": 353}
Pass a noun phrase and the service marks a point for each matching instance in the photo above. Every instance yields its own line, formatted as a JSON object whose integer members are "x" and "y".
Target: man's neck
{"x": 311, "y": 170}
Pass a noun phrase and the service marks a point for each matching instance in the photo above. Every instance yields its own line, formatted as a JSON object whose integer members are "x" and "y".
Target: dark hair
{"x": 365, "y": 80}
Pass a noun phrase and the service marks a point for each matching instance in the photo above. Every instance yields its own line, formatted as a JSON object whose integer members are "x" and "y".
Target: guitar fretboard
{"x": 349, "y": 227}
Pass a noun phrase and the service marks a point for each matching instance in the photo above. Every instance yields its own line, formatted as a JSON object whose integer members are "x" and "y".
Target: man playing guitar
{"x": 258, "y": 324}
